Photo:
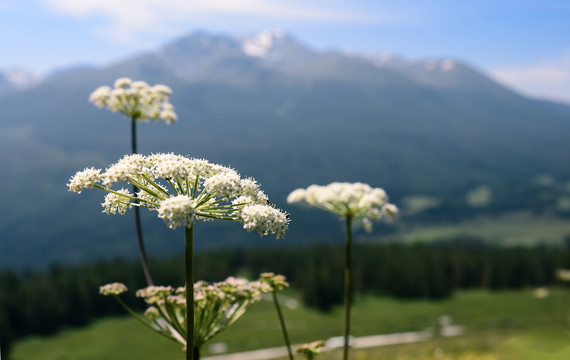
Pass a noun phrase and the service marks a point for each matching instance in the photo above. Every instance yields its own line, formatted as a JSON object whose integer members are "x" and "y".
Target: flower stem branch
{"x": 138, "y": 226}
{"x": 189, "y": 260}
{"x": 347, "y": 286}
{"x": 282, "y": 321}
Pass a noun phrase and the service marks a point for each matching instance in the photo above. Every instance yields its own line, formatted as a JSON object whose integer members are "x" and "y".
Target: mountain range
{"x": 285, "y": 114}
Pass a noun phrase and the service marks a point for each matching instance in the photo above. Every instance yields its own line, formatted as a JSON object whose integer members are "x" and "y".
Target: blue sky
{"x": 525, "y": 44}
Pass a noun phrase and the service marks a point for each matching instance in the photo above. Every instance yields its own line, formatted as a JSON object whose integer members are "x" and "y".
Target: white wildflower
{"x": 85, "y": 179}
{"x": 100, "y": 96}
{"x": 264, "y": 219}
{"x": 136, "y": 99}
{"x": 113, "y": 289}
{"x": 250, "y": 188}
{"x": 168, "y": 115}
{"x": 183, "y": 190}
{"x": 123, "y": 82}
{"x": 139, "y": 85}
{"x": 126, "y": 169}
{"x": 297, "y": 195}
{"x": 227, "y": 184}
{"x": 117, "y": 203}
{"x": 356, "y": 200}
{"x": 163, "y": 90}
{"x": 169, "y": 166}
{"x": 177, "y": 211}
{"x": 391, "y": 210}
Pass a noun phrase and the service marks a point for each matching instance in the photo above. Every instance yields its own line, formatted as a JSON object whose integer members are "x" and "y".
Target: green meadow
{"x": 498, "y": 325}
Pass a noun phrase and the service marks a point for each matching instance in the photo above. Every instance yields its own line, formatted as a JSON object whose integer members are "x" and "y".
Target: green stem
{"x": 138, "y": 227}
{"x": 133, "y": 135}
{"x": 283, "y": 328}
{"x": 189, "y": 243}
{"x": 347, "y": 287}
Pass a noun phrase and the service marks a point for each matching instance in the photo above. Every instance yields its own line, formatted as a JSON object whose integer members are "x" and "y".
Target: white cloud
{"x": 547, "y": 79}
{"x": 129, "y": 18}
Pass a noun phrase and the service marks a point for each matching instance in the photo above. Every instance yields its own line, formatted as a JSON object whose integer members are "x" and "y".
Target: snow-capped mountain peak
{"x": 261, "y": 44}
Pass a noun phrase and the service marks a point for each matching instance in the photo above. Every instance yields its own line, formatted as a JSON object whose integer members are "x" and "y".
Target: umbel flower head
{"x": 216, "y": 306}
{"x": 183, "y": 190}
{"x": 275, "y": 282}
{"x": 355, "y": 200}
{"x": 136, "y": 99}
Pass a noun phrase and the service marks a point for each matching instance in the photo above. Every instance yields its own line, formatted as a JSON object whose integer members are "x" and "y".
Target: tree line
{"x": 41, "y": 302}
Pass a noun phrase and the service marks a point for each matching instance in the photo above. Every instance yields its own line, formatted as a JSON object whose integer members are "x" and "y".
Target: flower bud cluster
{"x": 113, "y": 289}
{"x": 276, "y": 282}
{"x": 356, "y": 200}
{"x": 216, "y": 306}
{"x": 182, "y": 190}
{"x": 136, "y": 99}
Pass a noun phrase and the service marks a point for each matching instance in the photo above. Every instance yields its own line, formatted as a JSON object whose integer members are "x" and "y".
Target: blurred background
{"x": 459, "y": 111}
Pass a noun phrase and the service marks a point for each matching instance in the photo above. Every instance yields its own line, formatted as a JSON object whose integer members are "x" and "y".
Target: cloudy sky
{"x": 523, "y": 43}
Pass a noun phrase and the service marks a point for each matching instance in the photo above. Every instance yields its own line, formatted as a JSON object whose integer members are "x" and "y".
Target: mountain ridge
{"x": 316, "y": 118}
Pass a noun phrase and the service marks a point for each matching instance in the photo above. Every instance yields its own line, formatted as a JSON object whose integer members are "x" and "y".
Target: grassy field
{"x": 515, "y": 229}
{"x": 502, "y": 325}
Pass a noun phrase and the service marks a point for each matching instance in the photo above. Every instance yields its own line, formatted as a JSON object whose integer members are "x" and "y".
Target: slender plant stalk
{"x": 189, "y": 257}
{"x": 347, "y": 287}
{"x": 283, "y": 328}
{"x": 138, "y": 226}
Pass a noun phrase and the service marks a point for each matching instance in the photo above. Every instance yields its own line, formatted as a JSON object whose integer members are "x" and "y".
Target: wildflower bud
{"x": 276, "y": 282}
{"x": 112, "y": 289}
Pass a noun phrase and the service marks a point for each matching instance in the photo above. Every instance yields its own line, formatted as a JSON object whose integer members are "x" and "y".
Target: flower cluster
{"x": 277, "y": 283}
{"x": 112, "y": 289}
{"x": 216, "y": 306}
{"x": 355, "y": 200}
{"x": 182, "y": 190}
{"x": 311, "y": 350}
{"x": 136, "y": 99}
